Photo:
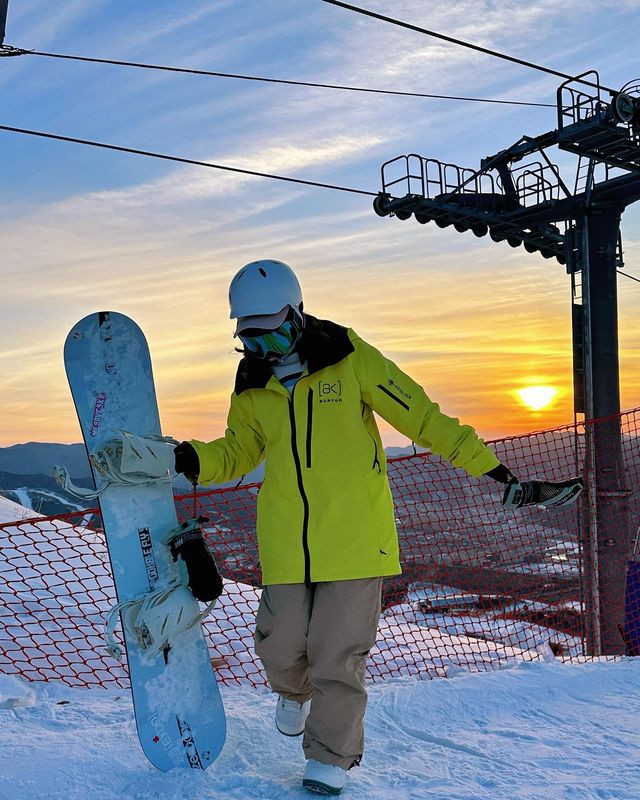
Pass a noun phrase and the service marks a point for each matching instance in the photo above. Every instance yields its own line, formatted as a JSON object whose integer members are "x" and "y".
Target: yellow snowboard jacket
{"x": 325, "y": 511}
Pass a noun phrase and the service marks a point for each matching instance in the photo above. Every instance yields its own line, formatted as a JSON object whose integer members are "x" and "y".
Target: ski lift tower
{"x": 3, "y": 19}
{"x": 518, "y": 196}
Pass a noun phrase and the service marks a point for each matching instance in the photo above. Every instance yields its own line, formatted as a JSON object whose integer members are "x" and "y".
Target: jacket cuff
{"x": 501, "y": 474}
{"x": 202, "y": 450}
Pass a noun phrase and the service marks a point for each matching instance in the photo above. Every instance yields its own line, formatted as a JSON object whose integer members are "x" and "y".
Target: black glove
{"x": 204, "y": 579}
{"x": 187, "y": 461}
{"x": 549, "y": 494}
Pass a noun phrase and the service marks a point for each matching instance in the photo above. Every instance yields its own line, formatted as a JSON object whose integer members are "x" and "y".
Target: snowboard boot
{"x": 323, "y": 778}
{"x": 291, "y": 716}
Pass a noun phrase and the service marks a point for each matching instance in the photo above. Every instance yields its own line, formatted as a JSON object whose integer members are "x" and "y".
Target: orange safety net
{"x": 481, "y": 586}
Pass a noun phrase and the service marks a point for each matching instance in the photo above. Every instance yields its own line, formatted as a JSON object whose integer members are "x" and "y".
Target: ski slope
{"x": 10, "y": 511}
{"x": 534, "y": 731}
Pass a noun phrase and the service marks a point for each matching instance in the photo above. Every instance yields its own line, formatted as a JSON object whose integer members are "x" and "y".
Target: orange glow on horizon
{"x": 471, "y": 338}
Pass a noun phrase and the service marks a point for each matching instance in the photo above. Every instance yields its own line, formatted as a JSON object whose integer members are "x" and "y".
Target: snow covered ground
{"x": 529, "y": 729}
{"x": 10, "y": 511}
{"x": 534, "y": 731}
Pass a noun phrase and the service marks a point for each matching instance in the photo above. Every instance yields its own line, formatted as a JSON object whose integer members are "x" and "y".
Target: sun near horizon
{"x": 536, "y": 397}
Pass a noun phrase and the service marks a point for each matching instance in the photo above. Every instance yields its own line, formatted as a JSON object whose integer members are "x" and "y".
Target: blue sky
{"x": 84, "y": 229}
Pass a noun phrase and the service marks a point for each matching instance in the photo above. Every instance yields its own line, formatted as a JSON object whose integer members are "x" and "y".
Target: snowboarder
{"x": 304, "y": 400}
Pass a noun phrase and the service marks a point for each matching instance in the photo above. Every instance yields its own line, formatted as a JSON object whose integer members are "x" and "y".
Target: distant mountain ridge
{"x": 33, "y": 458}
{"x": 26, "y": 475}
{"x": 39, "y": 480}
{"x": 38, "y": 458}
{"x": 41, "y": 493}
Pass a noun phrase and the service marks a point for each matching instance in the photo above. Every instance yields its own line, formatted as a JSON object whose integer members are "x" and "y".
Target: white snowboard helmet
{"x": 262, "y": 288}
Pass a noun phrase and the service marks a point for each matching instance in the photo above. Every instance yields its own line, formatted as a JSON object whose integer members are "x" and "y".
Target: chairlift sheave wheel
{"x": 380, "y": 204}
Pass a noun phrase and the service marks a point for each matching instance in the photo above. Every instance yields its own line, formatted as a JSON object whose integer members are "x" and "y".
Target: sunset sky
{"x": 83, "y": 230}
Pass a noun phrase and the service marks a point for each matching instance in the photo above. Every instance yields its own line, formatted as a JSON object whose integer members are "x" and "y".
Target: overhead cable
{"x": 165, "y": 157}
{"x": 194, "y": 162}
{"x": 453, "y": 40}
{"x": 626, "y": 275}
{"x": 261, "y": 79}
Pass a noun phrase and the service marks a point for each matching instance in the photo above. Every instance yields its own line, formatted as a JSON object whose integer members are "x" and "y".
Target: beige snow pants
{"x": 313, "y": 642}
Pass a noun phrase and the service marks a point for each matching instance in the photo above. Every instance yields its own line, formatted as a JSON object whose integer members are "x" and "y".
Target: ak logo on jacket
{"x": 330, "y": 391}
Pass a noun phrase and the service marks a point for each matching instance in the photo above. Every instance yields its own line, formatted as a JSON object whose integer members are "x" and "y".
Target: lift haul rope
{"x": 166, "y": 157}
{"x": 226, "y": 168}
{"x": 261, "y": 79}
{"x": 9, "y": 50}
{"x": 453, "y": 40}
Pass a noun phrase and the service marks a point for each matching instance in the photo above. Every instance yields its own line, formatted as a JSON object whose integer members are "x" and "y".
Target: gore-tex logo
{"x": 398, "y": 389}
{"x": 330, "y": 392}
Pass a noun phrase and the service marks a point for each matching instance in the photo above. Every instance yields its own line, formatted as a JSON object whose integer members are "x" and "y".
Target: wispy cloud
{"x": 470, "y": 319}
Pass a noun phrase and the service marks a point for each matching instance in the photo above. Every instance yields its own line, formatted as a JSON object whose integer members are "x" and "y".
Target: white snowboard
{"x": 179, "y": 714}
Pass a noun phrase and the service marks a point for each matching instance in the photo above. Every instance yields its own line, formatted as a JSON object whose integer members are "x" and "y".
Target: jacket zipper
{"x": 309, "y": 425}
{"x": 393, "y": 397}
{"x": 303, "y": 494}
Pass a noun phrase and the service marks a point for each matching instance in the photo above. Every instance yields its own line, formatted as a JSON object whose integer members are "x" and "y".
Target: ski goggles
{"x": 278, "y": 342}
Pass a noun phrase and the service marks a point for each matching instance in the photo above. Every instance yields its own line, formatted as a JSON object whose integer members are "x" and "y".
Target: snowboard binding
{"x": 124, "y": 459}
{"x": 154, "y": 619}
{"x": 157, "y": 617}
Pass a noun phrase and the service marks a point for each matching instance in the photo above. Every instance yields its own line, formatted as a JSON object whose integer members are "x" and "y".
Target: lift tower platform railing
{"x": 518, "y": 196}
